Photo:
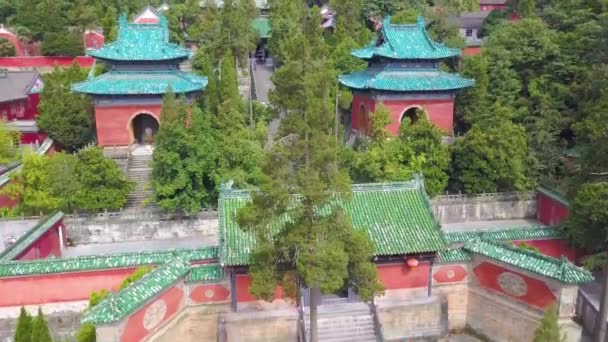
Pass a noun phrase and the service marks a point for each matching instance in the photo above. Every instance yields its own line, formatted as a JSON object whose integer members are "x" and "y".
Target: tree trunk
{"x": 600, "y": 324}
{"x": 314, "y": 300}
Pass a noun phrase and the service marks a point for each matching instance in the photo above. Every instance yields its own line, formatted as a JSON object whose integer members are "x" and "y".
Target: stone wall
{"x": 267, "y": 326}
{"x": 501, "y": 319}
{"x": 413, "y": 319}
{"x": 507, "y": 206}
{"x": 120, "y": 229}
{"x": 63, "y": 319}
{"x": 457, "y": 298}
{"x": 194, "y": 324}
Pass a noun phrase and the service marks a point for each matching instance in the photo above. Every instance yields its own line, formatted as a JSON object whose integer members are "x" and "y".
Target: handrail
{"x": 221, "y": 329}
{"x": 377, "y": 324}
{"x": 301, "y": 324}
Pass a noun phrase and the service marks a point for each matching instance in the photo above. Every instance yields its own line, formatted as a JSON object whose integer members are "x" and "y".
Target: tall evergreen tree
{"x": 228, "y": 83}
{"x": 319, "y": 250}
{"x": 40, "y": 329}
{"x": 110, "y": 26}
{"x": 23, "y": 332}
{"x": 548, "y": 330}
{"x": 67, "y": 117}
{"x": 184, "y": 158}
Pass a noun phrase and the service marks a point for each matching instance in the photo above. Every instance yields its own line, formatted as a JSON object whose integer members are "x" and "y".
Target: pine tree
{"x": 320, "y": 250}
{"x": 185, "y": 157}
{"x": 23, "y": 332}
{"x": 203, "y": 64}
{"x": 548, "y": 330}
{"x": 40, "y": 329}
{"x": 109, "y": 24}
{"x": 229, "y": 88}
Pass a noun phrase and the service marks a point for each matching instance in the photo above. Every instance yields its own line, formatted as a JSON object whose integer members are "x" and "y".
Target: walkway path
{"x": 262, "y": 74}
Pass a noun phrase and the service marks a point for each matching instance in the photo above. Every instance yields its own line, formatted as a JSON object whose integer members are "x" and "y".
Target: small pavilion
{"x": 403, "y": 73}
{"x": 142, "y": 65}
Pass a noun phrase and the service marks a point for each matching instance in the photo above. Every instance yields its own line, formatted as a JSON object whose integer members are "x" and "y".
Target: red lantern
{"x": 412, "y": 262}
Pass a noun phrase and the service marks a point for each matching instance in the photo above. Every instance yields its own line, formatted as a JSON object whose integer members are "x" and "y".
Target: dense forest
{"x": 539, "y": 93}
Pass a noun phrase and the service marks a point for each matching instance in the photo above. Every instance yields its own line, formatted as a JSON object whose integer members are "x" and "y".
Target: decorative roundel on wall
{"x": 512, "y": 284}
{"x": 154, "y": 314}
{"x": 450, "y": 274}
{"x": 209, "y": 293}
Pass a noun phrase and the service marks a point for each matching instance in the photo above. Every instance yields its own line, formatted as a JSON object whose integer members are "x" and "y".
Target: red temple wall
{"x": 32, "y": 138}
{"x": 361, "y": 103}
{"x": 401, "y": 276}
{"x": 48, "y": 244}
{"x": 209, "y": 293}
{"x": 93, "y": 40}
{"x": 490, "y": 7}
{"x": 113, "y": 123}
{"x": 550, "y": 211}
{"x": 19, "y": 50}
{"x": 135, "y": 330}
{"x": 520, "y": 287}
{"x": 45, "y": 62}
{"x": 7, "y": 202}
{"x": 439, "y": 111}
{"x": 243, "y": 283}
{"x": 553, "y": 247}
{"x": 471, "y": 50}
{"x": 64, "y": 287}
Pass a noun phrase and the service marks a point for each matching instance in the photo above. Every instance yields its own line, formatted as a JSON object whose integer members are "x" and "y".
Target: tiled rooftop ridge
{"x": 121, "y": 304}
{"x": 559, "y": 269}
{"x": 101, "y": 262}
{"x": 30, "y": 236}
{"x": 405, "y": 41}
{"x": 457, "y": 238}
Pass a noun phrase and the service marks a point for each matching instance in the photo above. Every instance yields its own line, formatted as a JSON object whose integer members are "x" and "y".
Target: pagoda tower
{"x": 142, "y": 65}
{"x": 403, "y": 73}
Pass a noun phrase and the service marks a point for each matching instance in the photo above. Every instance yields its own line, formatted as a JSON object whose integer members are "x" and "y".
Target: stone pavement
{"x": 12, "y": 229}
{"x": 460, "y": 338}
{"x": 261, "y": 75}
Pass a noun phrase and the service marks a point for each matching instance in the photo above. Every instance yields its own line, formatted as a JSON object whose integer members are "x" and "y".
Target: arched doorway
{"x": 144, "y": 128}
{"x": 412, "y": 114}
{"x": 364, "y": 115}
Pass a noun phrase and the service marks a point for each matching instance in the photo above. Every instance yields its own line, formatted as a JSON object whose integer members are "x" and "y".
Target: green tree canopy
{"x": 7, "y": 49}
{"x": 9, "y": 145}
{"x": 67, "y": 117}
{"x": 587, "y": 225}
{"x": 548, "y": 330}
{"x": 103, "y": 184}
{"x": 491, "y": 159}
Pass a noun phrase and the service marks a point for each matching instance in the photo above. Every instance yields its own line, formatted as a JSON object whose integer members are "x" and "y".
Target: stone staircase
{"x": 343, "y": 322}
{"x": 139, "y": 171}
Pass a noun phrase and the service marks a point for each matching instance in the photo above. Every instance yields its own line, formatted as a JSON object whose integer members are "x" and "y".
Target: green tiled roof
{"x": 261, "y": 25}
{"x": 452, "y": 255}
{"x": 559, "y": 269}
{"x": 408, "y": 41}
{"x": 119, "y": 305}
{"x": 397, "y": 217}
{"x": 30, "y": 236}
{"x": 98, "y": 262}
{"x": 145, "y": 83}
{"x": 392, "y": 79}
{"x": 141, "y": 42}
{"x": 208, "y": 272}
{"x": 519, "y": 233}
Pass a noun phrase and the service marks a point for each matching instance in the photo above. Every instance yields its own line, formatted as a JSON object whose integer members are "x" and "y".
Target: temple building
{"x": 404, "y": 74}
{"x": 142, "y": 65}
